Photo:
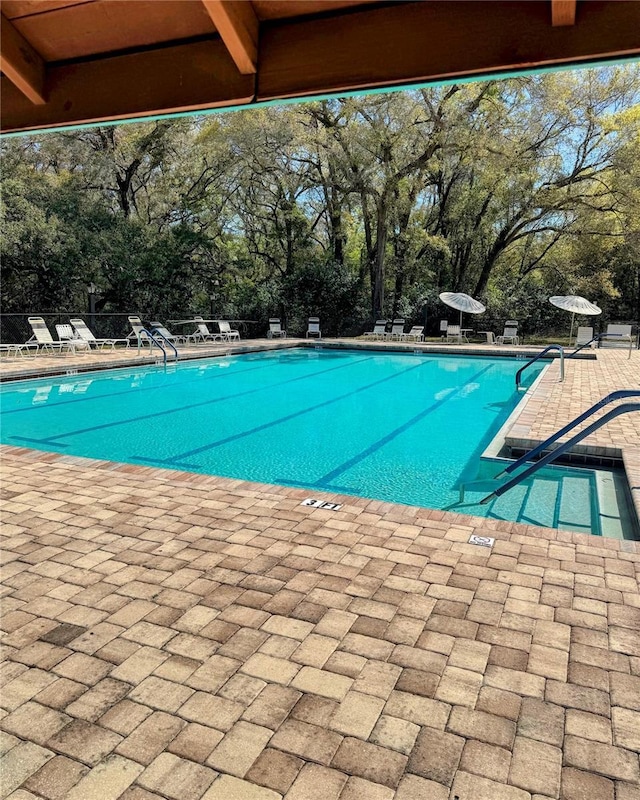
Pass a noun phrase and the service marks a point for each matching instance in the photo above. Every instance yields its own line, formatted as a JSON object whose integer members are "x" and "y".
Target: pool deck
{"x": 170, "y": 636}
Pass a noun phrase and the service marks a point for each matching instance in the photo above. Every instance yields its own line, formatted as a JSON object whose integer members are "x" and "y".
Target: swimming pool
{"x": 404, "y": 428}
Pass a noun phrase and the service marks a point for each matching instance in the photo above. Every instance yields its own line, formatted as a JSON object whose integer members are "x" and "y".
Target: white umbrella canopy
{"x": 576, "y": 305}
{"x": 462, "y": 302}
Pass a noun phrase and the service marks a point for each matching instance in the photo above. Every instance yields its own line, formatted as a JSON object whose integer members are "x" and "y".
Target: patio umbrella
{"x": 576, "y": 305}
{"x": 462, "y": 303}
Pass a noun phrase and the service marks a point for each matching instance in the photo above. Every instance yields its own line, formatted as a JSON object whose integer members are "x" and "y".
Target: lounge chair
{"x": 42, "y": 335}
{"x": 397, "y": 330}
{"x": 617, "y": 334}
{"x": 444, "y": 325}
{"x": 378, "y": 331}
{"x": 15, "y": 350}
{"x": 227, "y": 331}
{"x": 584, "y": 335}
{"x": 139, "y": 332}
{"x": 416, "y": 334}
{"x": 85, "y": 333}
{"x": 203, "y": 334}
{"x": 66, "y": 333}
{"x": 510, "y": 333}
{"x": 313, "y": 328}
{"x": 275, "y": 329}
{"x": 454, "y": 333}
{"x": 180, "y": 339}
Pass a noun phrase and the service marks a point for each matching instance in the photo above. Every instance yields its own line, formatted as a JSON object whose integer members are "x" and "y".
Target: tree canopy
{"x": 510, "y": 190}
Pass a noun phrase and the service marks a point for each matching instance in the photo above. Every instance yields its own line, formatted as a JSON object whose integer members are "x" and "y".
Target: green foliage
{"x": 510, "y": 190}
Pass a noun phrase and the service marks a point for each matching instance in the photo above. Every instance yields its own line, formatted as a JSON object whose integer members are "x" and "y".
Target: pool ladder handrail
{"x": 597, "y": 338}
{"x": 533, "y": 360}
{"x": 156, "y": 332}
{"x": 151, "y": 337}
{"x": 620, "y": 394}
{"x": 625, "y": 408}
{"x": 593, "y": 339}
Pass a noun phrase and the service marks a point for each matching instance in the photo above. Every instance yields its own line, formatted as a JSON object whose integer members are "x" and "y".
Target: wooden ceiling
{"x": 65, "y": 62}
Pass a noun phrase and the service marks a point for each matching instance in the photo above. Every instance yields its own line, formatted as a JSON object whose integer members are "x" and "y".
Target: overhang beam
{"x": 21, "y": 64}
{"x": 437, "y": 40}
{"x": 189, "y": 77}
{"x": 563, "y": 12}
{"x": 238, "y": 26}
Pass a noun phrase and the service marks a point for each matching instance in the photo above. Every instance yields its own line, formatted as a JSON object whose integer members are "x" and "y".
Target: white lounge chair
{"x": 66, "y": 333}
{"x": 15, "y": 350}
{"x": 378, "y": 331}
{"x": 584, "y": 335}
{"x": 139, "y": 332}
{"x": 180, "y": 339}
{"x": 397, "y": 330}
{"x": 275, "y": 329}
{"x": 617, "y": 334}
{"x": 313, "y": 328}
{"x": 416, "y": 334}
{"x": 509, "y": 333}
{"x": 227, "y": 331}
{"x": 444, "y": 325}
{"x": 454, "y": 333}
{"x": 85, "y": 333}
{"x": 203, "y": 334}
{"x": 42, "y": 335}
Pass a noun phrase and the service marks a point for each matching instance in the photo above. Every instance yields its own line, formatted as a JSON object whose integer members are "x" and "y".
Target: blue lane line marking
{"x": 134, "y": 390}
{"x": 234, "y": 437}
{"x": 51, "y": 439}
{"x": 324, "y": 481}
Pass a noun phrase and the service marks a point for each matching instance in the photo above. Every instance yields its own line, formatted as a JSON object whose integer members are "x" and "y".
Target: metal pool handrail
{"x": 151, "y": 336}
{"x": 625, "y": 408}
{"x": 620, "y": 394}
{"x": 156, "y": 332}
{"x": 539, "y": 355}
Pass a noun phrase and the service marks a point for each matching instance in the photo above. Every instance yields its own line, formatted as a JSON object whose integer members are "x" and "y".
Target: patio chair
{"x": 584, "y": 335}
{"x": 454, "y": 333}
{"x": 85, "y": 333}
{"x": 416, "y": 334}
{"x": 15, "y": 350}
{"x": 378, "y": 331}
{"x": 444, "y": 324}
{"x": 509, "y": 333}
{"x": 139, "y": 332}
{"x": 171, "y": 337}
{"x": 227, "y": 331}
{"x": 66, "y": 333}
{"x": 203, "y": 334}
{"x": 397, "y": 330}
{"x": 617, "y": 334}
{"x": 42, "y": 336}
{"x": 313, "y": 328}
{"x": 275, "y": 329}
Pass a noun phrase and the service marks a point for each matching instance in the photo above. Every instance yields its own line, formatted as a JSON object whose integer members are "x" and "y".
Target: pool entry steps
{"x": 625, "y": 408}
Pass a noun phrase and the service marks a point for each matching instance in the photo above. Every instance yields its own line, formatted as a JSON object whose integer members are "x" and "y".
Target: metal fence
{"x": 15, "y": 328}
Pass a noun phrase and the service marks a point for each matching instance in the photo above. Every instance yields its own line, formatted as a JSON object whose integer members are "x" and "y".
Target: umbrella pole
{"x": 573, "y": 314}
{"x": 461, "y": 321}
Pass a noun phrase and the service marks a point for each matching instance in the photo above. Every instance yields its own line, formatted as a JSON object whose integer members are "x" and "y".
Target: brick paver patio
{"x": 177, "y": 636}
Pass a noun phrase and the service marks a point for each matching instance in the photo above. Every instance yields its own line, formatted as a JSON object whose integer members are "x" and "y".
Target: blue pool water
{"x": 402, "y": 428}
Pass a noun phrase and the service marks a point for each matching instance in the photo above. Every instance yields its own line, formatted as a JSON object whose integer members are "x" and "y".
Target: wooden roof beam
{"x": 563, "y": 12}
{"x": 169, "y": 80}
{"x": 384, "y": 45}
{"x": 21, "y": 64}
{"x": 238, "y": 26}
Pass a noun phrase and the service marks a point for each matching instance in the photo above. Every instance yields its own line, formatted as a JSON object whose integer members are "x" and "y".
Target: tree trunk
{"x": 377, "y": 289}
